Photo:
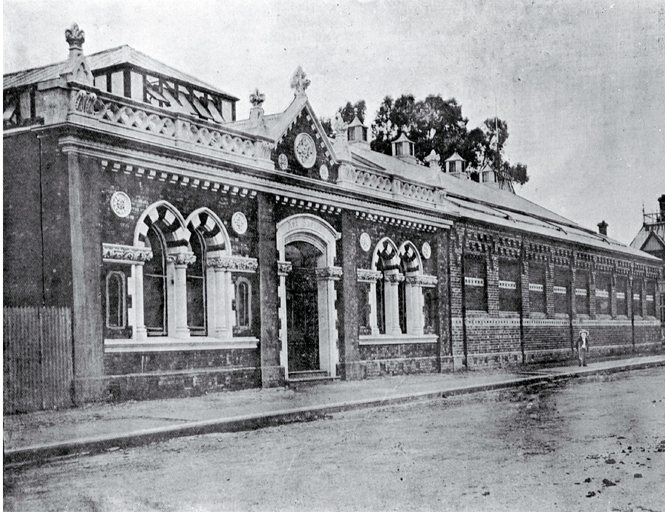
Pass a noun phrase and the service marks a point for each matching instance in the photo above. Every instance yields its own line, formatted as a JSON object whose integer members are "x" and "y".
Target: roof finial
{"x": 257, "y": 98}
{"x": 299, "y": 82}
{"x": 75, "y": 37}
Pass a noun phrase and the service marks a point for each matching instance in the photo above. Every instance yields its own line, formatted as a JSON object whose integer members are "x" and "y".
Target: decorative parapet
{"x": 365, "y": 275}
{"x": 390, "y": 186}
{"x": 150, "y": 120}
{"x": 125, "y": 254}
{"x": 328, "y": 273}
{"x": 284, "y": 268}
{"x": 181, "y": 258}
{"x": 423, "y": 280}
{"x": 239, "y": 264}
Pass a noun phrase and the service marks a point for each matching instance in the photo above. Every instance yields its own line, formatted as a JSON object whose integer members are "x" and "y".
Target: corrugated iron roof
{"x": 107, "y": 58}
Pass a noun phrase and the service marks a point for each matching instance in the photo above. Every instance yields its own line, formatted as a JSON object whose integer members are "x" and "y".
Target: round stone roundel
{"x": 239, "y": 223}
{"x": 427, "y": 251}
{"x": 365, "y": 242}
{"x": 305, "y": 150}
{"x": 121, "y": 204}
{"x": 323, "y": 172}
{"x": 283, "y": 162}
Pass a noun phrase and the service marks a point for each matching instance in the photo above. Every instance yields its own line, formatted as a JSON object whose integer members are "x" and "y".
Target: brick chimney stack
{"x": 602, "y": 228}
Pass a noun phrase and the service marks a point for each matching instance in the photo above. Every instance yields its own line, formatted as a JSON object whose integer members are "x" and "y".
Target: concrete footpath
{"x": 95, "y": 428}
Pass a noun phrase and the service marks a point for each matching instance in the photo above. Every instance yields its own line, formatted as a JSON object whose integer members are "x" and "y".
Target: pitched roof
{"x": 499, "y": 207}
{"x": 121, "y": 55}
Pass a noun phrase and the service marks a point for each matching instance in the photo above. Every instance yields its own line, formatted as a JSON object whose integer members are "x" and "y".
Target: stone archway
{"x": 322, "y": 237}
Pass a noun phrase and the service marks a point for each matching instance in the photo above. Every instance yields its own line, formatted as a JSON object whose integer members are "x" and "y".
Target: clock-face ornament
{"x": 427, "y": 251}
{"x": 305, "y": 150}
{"x": 239, "y": 223}
{"x": 283, "y": 162}
{"x": 121, "y": 204}
{"x": 323, "y": 172}
{"x": 365, "y": 242}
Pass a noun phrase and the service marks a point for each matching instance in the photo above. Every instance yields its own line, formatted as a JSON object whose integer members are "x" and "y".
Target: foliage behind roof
{"x": 108, "y": 58}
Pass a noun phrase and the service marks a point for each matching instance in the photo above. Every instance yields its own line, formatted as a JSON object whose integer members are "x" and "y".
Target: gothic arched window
{"x": 154, "y": 286}
{"x": 196, "y": 288}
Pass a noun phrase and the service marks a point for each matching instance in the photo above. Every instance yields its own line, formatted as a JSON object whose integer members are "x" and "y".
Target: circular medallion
{"x": 239, "y": 223}
{"x": 283, "y": 162}
{"x": 427, "y": 251}
{"x": 121, "y": 204}
{"x": 305, "y": 150}
{"x": 323, "y": 172}
{"x": 365, "y": 242}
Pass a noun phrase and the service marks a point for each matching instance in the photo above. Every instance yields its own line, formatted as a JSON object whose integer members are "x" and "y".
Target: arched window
{"x": 401, "y": 298}
{"x": 115, "y": 300}
{"x": 243, "y": 294}
{"x": 154, "y": 285}
{"x": 381, "y": 306}
{"x": 196, "y": 288}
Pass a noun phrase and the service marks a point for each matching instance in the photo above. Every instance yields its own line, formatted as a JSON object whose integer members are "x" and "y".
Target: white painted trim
{"x": 402, "y": 339}
{"x": 168, "y": 344}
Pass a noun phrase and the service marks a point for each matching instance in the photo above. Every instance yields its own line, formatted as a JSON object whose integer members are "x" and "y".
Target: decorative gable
{"x": 304, "y": 149}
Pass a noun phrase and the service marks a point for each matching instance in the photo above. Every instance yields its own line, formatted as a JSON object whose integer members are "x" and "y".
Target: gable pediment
{"x": 302, "y": 146}
{"x": 653, "y": 243}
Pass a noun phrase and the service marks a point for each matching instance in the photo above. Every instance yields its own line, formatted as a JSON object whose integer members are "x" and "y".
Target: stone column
{"x": 414, "y": 306}
{"x": 222, "y": 306}
{"x": 373, "y": 316}
{"x": 328, "y": 334}
{"x": 283, "y": 269}
{"x": 593, "y": 302}
{"x": 392, "y": 303}
{"x": 178, "y": 309}
{"x": 140, "y": 332}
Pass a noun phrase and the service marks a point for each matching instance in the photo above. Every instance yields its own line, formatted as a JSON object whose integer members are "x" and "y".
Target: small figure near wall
{"x": 582, "y": 347}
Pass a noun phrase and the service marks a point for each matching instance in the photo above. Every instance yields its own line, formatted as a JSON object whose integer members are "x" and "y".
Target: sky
{"x": 581, "y": 84}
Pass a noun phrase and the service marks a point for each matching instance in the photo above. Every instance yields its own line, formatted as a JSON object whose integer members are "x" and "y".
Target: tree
{"x": 348, "y": 112}
{"x": 492, "y": 155}
{"x": 438, "y": 124}
{"x": 432, "y": 124}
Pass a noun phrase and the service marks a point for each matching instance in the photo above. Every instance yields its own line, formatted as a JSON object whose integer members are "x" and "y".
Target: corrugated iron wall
{"x": 37, "y": 358}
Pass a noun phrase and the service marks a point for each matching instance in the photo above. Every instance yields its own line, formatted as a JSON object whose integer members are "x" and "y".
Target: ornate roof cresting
{"x": 75, "y": 37}
{"x": 300, "y": 82}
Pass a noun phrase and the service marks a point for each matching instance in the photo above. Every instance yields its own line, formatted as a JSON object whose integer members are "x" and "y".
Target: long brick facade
{"x": 200, "y": 253}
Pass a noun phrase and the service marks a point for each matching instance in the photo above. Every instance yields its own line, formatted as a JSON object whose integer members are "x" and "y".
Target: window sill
{"x": 166, "y": 344}
{"x": 402, "y": 339}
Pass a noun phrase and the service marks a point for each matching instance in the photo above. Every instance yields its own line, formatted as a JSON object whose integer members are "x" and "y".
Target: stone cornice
{"x": 328, "y": 273}
{"x": 365, "y": 275}
{"x": 239, "y": 264}
{"x": 125, "y": 254}
{"x": 426, "y": 281}
{"x": 139, "y": 161}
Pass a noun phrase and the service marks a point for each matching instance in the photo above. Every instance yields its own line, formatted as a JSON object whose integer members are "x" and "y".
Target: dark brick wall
{"x": 143, "y": 192}
{"x": 145, "y": 362}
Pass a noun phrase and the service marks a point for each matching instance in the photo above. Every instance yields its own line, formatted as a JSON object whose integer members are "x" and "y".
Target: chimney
{"x": 602, "y": 228}
{"x": 661, "y": 201}
{"x": 256, "y": 112}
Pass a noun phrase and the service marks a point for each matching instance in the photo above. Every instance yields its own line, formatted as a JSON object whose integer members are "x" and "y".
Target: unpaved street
{"x": 581, "y": 445}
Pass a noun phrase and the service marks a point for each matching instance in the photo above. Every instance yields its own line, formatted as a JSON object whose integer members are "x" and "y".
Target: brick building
{"x": 198, "y": 252}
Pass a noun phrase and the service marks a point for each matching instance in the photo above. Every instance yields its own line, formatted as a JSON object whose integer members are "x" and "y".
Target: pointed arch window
{"x": 155, "y": 285}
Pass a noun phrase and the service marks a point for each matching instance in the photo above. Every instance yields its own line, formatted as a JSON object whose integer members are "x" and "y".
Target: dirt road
{"x": 579, "y": 445}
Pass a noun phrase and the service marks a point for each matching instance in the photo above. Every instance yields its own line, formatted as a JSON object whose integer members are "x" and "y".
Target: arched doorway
{"x": 308, "y": 332}
{"x": 302, "y": 307}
